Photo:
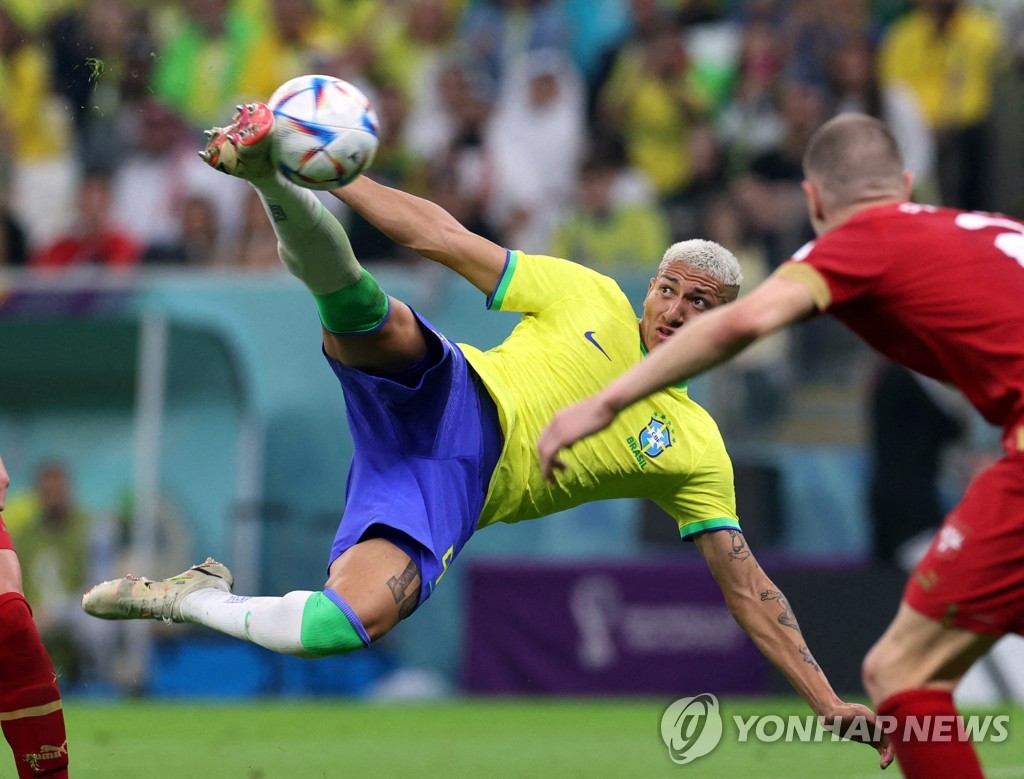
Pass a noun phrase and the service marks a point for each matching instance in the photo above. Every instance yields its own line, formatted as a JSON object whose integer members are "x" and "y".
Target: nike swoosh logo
{"x": 248, "y": 616}
{"x": 589, "y": 335}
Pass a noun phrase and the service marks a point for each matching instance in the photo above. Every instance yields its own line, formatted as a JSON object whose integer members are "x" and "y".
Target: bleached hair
{"x": 707, "y": 256}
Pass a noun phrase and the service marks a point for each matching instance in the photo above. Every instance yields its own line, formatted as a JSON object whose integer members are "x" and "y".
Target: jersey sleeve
{"x": 843, "y": 264}
{"x": 531, "y": 283}
{"x": 707, "y": 500}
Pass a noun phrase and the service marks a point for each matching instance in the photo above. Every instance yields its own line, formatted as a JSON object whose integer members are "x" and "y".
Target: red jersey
{"x": 112, "y": 249}
{"x": 939, "y": 290}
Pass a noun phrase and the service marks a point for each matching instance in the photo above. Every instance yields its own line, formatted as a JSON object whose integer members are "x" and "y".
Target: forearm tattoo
{"x": 739, "y": 549}
{"x": 786, "y": 617}
{"x": 809, "y": 658}
{"x": 399, "y": 584}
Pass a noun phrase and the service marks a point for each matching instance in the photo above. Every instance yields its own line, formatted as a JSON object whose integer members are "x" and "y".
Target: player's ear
{"x": 817, "y": 213}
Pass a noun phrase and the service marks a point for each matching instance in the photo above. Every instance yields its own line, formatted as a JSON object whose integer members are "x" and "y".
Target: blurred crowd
{"x": 599, "y": 130}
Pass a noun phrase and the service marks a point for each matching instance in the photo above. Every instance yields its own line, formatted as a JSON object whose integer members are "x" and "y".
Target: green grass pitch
{"x": 303, "y": 739}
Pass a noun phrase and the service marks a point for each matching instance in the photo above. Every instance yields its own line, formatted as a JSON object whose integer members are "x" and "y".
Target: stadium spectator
{"x": 118, "y": 69}
{"x": 293, "y": 41}
{"x": 945, "y": 52}
{"x": 96, "y": 240}
{"x": 160, "y": 150}
{"x": 534, "y": 144}
{"x": 814, "y": 30}
{"x": 412, "y": 50}
{"x": 749, "y": 123}
{"x": 497, "y": 32}
{"x": 443, "y": 435}
{"x": 199, "y": 243}
{"x": 655, "y": 100}
{"x": 203, "y": 58}
{"x": 12, "y": 240}
{"x": 460, "y": 173}
{"x": 598, "y": 27}
{"x": 31, "y": 712}
{"x": 607, "y": 230}
{"x": 54, "y": 536}
{"x": 855, "y": 87}
{"x": 769, "y": 191}
{"x": 38, "y": 128}
{"x": 90, "y": 47}
{"x": 939, "y": 291}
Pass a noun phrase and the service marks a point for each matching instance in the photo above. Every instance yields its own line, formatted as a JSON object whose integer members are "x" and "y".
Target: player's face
{"x": 677, "y": 294}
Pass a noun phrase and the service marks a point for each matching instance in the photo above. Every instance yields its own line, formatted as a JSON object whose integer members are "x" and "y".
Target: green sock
{"x": 328, "y": 630}
{"x": 358, "y": 308}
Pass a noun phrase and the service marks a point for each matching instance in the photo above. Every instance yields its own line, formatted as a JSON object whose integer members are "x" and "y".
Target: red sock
{"x": 30, "y": 709}
{"x": 921, "y": 757}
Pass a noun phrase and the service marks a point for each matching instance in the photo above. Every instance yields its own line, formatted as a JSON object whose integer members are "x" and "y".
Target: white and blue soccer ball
{"x": 325, "y": 131}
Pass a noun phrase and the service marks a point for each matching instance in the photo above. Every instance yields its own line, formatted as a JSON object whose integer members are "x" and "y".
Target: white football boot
{"x": 140, "y": 598}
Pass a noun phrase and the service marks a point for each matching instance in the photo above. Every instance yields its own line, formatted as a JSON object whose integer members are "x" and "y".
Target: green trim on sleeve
{"x": 498, "y": 296}
{"x": 687, "y": 532}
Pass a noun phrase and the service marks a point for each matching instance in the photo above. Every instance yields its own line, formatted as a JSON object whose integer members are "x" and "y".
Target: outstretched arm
{"x": 763, "y": 612}
{"x": 708, "y": 340}
{"x": 426, "y": 228}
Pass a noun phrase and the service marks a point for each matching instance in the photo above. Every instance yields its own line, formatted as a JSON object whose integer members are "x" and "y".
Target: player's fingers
{"x": 550, "y": 461}
{"x": 554, "y": 465}
{"x": 886, "y": 752}
{"x": 547, "y": 462}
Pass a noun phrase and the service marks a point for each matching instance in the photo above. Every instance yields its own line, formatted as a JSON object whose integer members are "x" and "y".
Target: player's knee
{"x": 330, "y": 626}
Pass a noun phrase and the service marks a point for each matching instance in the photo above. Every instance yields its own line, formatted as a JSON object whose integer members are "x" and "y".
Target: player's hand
{"x": 569, "y": 426}
{"x": 859, "y": 723}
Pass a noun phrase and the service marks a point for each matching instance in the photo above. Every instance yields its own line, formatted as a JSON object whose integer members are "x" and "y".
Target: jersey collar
{"x": 643, "y": 352}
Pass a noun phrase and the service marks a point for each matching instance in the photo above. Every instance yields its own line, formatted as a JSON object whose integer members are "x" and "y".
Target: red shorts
{"x": 972, "y": 575}
{"x": 6, "y": 542}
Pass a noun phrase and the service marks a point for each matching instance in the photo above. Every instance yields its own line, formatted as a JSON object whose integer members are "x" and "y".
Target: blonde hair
{"x": 708, "y": 256}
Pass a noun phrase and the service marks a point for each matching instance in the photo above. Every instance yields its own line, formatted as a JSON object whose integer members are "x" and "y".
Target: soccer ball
{"x": 325, "y": 131}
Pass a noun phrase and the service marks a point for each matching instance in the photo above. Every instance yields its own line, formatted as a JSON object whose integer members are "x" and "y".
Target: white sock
{"x": 312, "y": 244}
{"x": 272, "y": 622}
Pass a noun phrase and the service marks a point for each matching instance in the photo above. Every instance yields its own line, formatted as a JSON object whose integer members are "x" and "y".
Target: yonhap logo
{"x": 691, "y": 727}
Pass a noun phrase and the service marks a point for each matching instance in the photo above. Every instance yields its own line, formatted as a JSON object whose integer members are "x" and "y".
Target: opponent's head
{"x": 851, "y": 162}
{"x": 693, "y": 277}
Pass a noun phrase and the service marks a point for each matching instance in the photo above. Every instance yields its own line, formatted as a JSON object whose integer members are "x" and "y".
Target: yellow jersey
{"x": 578, "y": 332}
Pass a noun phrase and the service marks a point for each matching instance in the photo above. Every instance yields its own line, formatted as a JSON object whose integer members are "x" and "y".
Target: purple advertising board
{"x": 659, "y": 628}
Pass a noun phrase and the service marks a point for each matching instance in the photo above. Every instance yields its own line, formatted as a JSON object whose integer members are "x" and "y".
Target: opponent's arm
{"x": 708, "y": 340}
{"x": 5, "y": 482}
{"x": 10, "y": 569}
{"x": 428, "y": 229}
{"x": 761, "y": 609}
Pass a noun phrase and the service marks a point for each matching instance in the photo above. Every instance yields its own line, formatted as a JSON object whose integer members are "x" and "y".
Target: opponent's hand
{"x": 569, "y": 426}
{"x": 858, "y": 723}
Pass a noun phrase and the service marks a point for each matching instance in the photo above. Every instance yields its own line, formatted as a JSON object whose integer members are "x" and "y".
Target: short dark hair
{"x": 854, "y": 157}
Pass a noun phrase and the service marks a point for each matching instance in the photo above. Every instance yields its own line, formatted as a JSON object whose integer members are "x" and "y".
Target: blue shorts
{"x": 426, "y": 444}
